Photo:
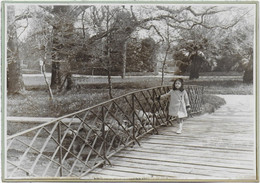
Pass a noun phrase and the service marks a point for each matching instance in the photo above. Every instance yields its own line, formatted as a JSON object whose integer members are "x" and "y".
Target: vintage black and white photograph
{"x": 129, "y": 91}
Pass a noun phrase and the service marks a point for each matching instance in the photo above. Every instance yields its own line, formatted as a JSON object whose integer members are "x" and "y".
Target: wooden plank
{"x": 187, "y": 159}
{"x": 220, "y": 117}
{"x": 177, "y": 170}
{"x": 198, "y": 154}
{"x": 199, "y": 133}
{"x": 180, "y": 166}
{"x": 237, "y": 137}
{"x": 169, "y": 138}
{"x": 201, "y": 151}
{"x": 218, "y": 125}
{"x": 224, "y": 118}
{"x": 153, "y": 173}
{"x": 119, "y": 173}
{"x": 204, "y": 145}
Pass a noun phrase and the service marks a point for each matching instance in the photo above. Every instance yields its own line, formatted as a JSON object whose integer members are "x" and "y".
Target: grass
{"x": 218, "y": 73}
{"x": 36, "y": 103}
{"x": 224, "y": 87}
{"x": 221, "y": 87}
{"x": 211, "y": 103}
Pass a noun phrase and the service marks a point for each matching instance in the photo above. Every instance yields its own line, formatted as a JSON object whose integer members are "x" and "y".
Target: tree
{"x": 243, "y": 47}
{"x": 108, "y": 51}
{"x": 64, "y": 43}
{"x": 77, "y": 30}
{"x": 14, "y": 76}
{"x": 123, "y": 24}
{"x": 196, "y": 58}
{"x": 209, "y": 40}
{"x": 189, "y": 53}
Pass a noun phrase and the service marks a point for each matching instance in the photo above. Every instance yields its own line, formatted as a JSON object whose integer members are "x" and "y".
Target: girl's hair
{"x": 181, "y": 88}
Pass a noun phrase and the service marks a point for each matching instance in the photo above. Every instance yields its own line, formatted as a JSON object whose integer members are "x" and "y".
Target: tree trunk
{"x": 164, "y": 62}
{"x": 69, "y": 82}
{"x": 109, "y": 74}
{"x": 248, "y": 76}
{"x": 14, "y": 76}
{"x": 124, "y": 59}
{"x": 55, "y": 75}
{"x": 55, "y": 66}
{"x": 195, "y": 66}
{"x": 47, "y": 83}
{"x": 109, "y": 84}
{"x": 62, "y": 32}
{"x": 108, "y": 41}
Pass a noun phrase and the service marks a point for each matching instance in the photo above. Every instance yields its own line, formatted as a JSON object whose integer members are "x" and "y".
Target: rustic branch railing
{"x": 74, "y": 147}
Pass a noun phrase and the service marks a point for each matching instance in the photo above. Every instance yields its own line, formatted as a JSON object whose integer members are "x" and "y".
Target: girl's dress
{"x": 178, "y": 102}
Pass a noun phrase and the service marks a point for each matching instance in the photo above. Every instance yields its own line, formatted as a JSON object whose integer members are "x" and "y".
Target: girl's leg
{"x": 180, "y": 123}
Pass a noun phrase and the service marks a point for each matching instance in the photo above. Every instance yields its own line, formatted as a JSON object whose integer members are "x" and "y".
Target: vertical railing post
{"x": 201, "y": 97}
{"x": 103, "y": 133}
{"x": 167, "y": 106}
{"x": 60, "y": 147}
{"x": 153, "y": 110}
{"x": 133, "y": 109}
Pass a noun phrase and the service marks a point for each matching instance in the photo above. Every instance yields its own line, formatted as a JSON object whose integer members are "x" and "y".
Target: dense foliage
{"x": 119, "y": 39}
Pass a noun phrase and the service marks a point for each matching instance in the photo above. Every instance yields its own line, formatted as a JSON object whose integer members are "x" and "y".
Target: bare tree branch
{"x": 171, "y": 11}
{"x": 24, "y": 28}
{"x": 23, "y": 16}
{"x": 206, "y": 11}
{"x": 153, "y": 27}
{"x": 132, "y": 13}
{"x": 48, "y": 9}
{"x": 78, "y": 10}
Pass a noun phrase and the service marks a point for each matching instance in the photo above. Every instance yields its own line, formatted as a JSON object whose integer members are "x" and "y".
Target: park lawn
{"x": 36, "y": 103}
{"x": 225, "y": 87}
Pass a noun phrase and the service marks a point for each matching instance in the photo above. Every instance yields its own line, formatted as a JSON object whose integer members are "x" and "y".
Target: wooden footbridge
{"x": 131, "y": 137}
{"x": 213, "y": 146}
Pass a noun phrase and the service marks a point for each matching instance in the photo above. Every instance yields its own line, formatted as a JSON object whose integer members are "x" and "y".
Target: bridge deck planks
{"x": 212, "y": 146}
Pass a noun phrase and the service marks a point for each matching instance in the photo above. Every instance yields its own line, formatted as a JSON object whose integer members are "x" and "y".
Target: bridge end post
{"x": 153, "y": 112}
{"x": 133, "y": 122}
{"x": 60, "y": 147}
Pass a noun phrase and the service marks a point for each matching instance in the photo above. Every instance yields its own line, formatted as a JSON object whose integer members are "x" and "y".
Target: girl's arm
{"x": 166, "y": 95}
{"x": 186, "y": 99}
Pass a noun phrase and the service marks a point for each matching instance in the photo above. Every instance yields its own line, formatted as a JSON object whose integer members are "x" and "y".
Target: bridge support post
{"x": 60, "y": 147}
{"x": 103, "y": 134}
{"x": 133, "y": 109}
{"x": 133, "y": 122}
{"x": 153, "y": 112}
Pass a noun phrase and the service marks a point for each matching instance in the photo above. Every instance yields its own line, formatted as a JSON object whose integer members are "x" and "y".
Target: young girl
{"x": 179, "y": 102}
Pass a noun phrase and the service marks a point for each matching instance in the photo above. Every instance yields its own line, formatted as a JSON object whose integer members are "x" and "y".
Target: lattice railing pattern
{"x": 75, "y": 144}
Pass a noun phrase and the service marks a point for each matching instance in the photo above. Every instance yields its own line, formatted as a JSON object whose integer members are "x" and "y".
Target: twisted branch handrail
{"x": 91, "y": 136}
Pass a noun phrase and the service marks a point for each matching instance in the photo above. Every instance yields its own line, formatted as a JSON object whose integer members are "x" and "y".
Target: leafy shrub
{"x": 211, "y": 103}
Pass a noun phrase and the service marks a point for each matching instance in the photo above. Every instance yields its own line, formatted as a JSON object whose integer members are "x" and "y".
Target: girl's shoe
{"x": 180, "y": 128}
{"x": 179, "y": 131}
